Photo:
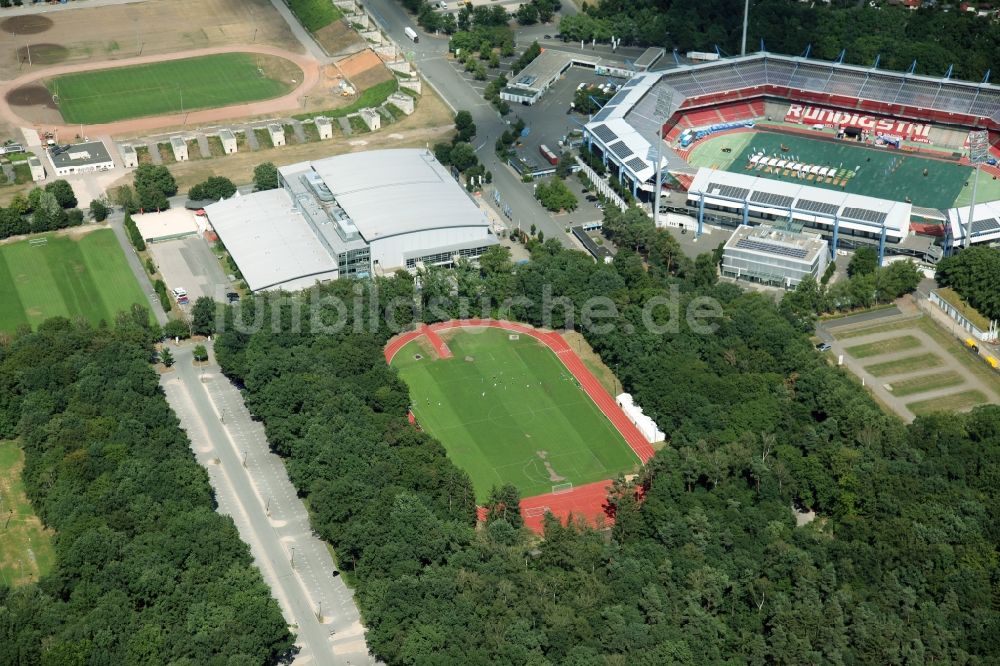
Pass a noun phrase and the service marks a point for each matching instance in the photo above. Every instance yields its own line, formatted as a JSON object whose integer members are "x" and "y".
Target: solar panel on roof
{"x": 603, "y": 114}
{"x": 985, "y": 226}
{"x": 817, "y": 206}
{"x": 771, "y": 199}
{"x": 865, "y": 215}
{"x": 620, "y": 149}
{"x": 635, "y": 164}
{"x": 604, "y": 133}
{"x": 771, "y": 248}
{"x": 728, "y": 190}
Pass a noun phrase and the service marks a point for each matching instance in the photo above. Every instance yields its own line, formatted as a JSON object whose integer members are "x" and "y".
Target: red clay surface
{"x": 588, "y": 500}
{"x": 137, "y": 126}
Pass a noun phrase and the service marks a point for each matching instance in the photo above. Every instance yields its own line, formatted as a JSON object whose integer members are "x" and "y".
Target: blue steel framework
{"x": 744, "y": 205}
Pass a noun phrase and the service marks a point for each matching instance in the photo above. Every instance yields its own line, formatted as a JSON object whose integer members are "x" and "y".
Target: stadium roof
{"x": 774, "y": 197}
{"x": 271, "y": 241}
{"x": 628, "y": 116}
{"x": 392, "y": 192}
{"x": 985, "y": 223}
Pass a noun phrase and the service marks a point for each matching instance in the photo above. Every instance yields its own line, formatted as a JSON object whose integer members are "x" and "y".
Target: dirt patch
{"x": 26, "y": 25}
{"x": 121, "y": 31}
{"x": 339, "y": 38}
{"x": 32, "y": 95}
{"x": 42, "y": 54}
{"x": 364, "y": 69}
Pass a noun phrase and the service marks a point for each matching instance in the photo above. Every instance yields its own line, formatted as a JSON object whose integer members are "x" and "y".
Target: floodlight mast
{"x": 978, "y": 150}
{"x": 663, "y": 100}
{"x": 746, "y": 16}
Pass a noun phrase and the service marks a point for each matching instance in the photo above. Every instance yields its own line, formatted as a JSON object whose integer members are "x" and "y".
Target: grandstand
{"x": 892, "y": 108}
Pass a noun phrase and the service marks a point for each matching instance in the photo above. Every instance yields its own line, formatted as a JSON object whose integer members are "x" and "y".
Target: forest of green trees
{"x": 705, "y": 563}
{"x": 934, "y": 38}
{"x": 147, "y": 572}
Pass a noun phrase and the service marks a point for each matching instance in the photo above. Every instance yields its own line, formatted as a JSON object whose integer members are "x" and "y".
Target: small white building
{"x": 402, "y": 101}
{"x": 180, "y": 148}
{"x": 129, "y": 156}
{"x": 37, "y": 170}
{"x": 371, "y": 118}
{"x": 277, "y": 133}
{"x": 645, "y": 424}
{"x": 228, "y": 141}
{"x": 86, "y": 157}
{"x": 325, "y": 127}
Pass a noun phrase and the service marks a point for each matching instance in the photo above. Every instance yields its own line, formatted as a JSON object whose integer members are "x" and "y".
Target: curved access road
{"x": 279, "y": 105}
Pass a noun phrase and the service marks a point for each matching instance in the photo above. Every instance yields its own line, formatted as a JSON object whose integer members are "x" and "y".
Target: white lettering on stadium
{"x": 818, "y": 115}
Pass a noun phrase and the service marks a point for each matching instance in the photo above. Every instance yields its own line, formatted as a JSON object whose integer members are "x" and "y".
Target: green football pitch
{"x": 507, "y": 411}
{"x": 171, "y": 86}
{"x": 882, "y": 173}
{"x": 88, "y": 277}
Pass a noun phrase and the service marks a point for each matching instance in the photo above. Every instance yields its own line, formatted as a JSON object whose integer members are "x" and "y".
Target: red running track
{"x": 587, "y": 500}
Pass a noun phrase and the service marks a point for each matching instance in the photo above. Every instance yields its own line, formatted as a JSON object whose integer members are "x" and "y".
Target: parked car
{"x": 824, "y": 346}
{"x": 591, "y": 198}
{"x": 232, "y": 297}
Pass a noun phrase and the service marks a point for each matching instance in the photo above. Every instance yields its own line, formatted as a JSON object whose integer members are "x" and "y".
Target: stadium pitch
{"x": 507, "y": 411}
{"x": 883, "y": 173}
{"x": 171, "y": 86}
{"x": 53, "y": 276}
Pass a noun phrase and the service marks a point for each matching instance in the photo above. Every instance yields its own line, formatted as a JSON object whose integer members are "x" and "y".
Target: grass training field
{"x": 881, "y": 172}
{"x": 948, "y": 403}
{"x": 25, "y": 547}
{"x": 172, "y": 86}
{"x": 888, "y": 346}
{"x": 905, "y": 364}
{"x": 511, "y": 414}
{"x": 922, "y": 383}
{"x": 86, "y": 277}
{"x": 315, "y": 14}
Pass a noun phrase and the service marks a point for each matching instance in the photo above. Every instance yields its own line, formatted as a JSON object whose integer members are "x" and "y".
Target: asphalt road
{"x": 430, "y": 56}
{"x": 251, "y": 485}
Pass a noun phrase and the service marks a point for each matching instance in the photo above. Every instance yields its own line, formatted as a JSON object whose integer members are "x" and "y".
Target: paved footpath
{"x": 252, "y": 486}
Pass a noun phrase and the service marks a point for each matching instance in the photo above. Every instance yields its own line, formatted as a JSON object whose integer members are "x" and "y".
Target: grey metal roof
{"x": 271, "y": 241}
{"x": 81, "y": 154}
{"x": 398, "y": 191}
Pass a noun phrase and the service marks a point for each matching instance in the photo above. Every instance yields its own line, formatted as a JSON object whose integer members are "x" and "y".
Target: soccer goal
{"x": 561, "y": 488}
{"x": 536, "y": 511}
{"x": 38, "y": 242}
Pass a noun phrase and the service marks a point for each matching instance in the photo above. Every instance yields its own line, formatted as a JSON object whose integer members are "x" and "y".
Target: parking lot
{"x": 188, "y": 263}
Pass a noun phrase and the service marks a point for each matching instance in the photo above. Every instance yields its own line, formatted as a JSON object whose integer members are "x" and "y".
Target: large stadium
{"x": 860, "y": 155}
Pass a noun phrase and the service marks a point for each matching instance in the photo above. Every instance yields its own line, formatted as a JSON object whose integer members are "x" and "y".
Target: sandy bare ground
{"x": 112, "y": 32}
{"x": 277, "y": 106}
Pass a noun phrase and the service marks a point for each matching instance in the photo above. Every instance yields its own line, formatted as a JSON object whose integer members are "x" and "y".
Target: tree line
{"x": 146, "y": 570}
{"x": 934, "y": 38}
{"x": 975, "y": 274}
{"x": 706, "y": 562}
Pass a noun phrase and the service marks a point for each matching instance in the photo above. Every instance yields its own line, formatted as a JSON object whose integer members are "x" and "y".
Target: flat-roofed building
{"x": 324, "y": 127}
{"x": 36, "y": 168}
{"x": 87, "y": 157}
{"x": 277, "y": 134}
{"x": 228, "y": 140}
{"x": 130, "y": 158}
{"x": 180, "y": 148}
{"x": 771, "y": 256}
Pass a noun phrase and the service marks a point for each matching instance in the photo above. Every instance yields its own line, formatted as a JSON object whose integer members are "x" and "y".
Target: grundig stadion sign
{"x": 818, "y": 115}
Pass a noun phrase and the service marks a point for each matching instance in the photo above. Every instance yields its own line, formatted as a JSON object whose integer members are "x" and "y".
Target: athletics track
{"x": 587, "y": 500}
